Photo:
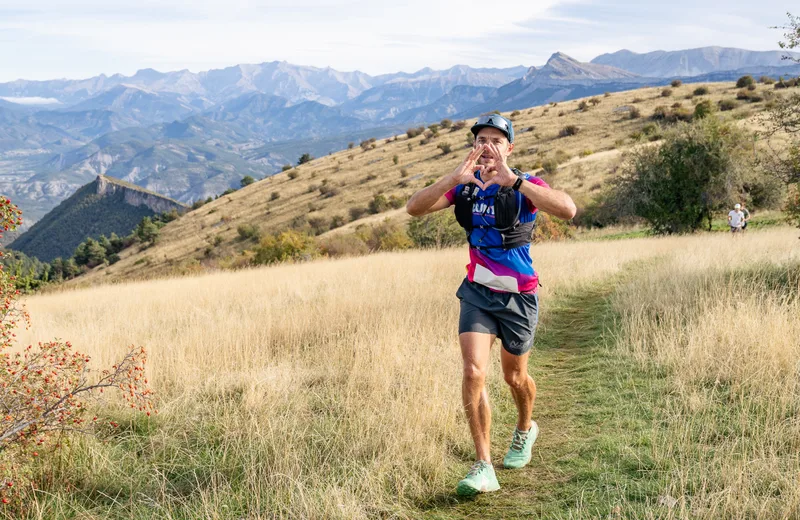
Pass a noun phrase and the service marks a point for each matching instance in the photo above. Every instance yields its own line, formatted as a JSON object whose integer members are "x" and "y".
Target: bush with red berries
{"x": 45, "y": 390}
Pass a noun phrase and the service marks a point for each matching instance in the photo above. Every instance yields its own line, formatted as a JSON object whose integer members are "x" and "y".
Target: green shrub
{"x": 290, "y": 245}
{"x": 414, "y": 132}
{"x": 356, "y": 212}
{"x": 745, "y": 81}
{"x": 446, "y": 123}
{"x": 306, "y": 157}
{"x": 634, "y": 113}
{"x": 676, "y": 83}
{"x": 386, "y": 236}
{"x": 274, "y": 195}
{"x": 679, "y": 185}
{"x": 727, "y": 104}
{"x": 395, "y": 159}
{"x": 247, "y": 180}
{"x": 701, "y": 91}
{"x": 286, "y": 167}
{"x": 445, "y": 148}
{"x": 293, "y": 174}
{"x": 766, "y": 80}
{"x": 319, "y": 225}
{"x": 248, "y": 231}
{"x": 703, "y": 109}
{"x": 667, "y": 92}
{"x": 438, "y": 230}
{"x": 515, "y": 113}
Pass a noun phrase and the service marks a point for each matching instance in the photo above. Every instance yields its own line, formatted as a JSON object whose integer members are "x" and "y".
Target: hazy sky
{"x": 46, "y": 39}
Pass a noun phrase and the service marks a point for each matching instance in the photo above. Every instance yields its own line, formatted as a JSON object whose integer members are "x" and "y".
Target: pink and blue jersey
{"x": 501, "y": 270}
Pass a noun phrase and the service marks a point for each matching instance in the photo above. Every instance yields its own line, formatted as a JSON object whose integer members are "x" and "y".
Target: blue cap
{"x": 494, "y": 121}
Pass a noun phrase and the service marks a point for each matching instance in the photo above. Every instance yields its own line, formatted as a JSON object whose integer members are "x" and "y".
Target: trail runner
{"x": 736, "y": 218}
{"x": 497, "y": 206}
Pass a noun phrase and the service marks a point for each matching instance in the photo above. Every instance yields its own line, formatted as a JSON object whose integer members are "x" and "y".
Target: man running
{"x": 497, "y": 206}
{"x": 736, "y": 218}
{"x": 746, "y": 216}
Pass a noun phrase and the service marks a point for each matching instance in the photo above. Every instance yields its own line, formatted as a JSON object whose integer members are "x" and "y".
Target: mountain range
{"x": 191, "y": 135}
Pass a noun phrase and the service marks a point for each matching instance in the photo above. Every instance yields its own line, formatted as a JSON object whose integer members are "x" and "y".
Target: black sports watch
{"x": 517, "y": 184}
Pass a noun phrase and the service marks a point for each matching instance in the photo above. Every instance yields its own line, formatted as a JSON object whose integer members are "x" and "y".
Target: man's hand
{"x": 500, "y": 173}
{"x": 465, "y": 173}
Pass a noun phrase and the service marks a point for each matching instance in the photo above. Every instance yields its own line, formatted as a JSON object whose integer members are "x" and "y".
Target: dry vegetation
{"x": 330, "y": 389}
{"x": 334, "y": 186}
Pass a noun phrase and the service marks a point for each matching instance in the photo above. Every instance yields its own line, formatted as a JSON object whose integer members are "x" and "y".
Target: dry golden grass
{"x": 330, "y": 389}
{"x": 358, "y": 175}
{"x": 725, "y": 323}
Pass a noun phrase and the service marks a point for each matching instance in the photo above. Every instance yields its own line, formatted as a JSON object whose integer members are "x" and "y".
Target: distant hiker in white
{"x": 736, "y": 219}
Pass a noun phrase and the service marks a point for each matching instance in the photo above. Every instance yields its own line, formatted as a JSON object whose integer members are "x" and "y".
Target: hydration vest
{"x": 507, "y": 210}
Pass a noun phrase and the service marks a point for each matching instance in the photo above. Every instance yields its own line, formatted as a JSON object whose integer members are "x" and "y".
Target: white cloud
{"x": 41, "y": 39}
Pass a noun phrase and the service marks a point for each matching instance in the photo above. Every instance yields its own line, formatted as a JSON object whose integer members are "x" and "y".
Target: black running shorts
{"x": 512, "y": 317}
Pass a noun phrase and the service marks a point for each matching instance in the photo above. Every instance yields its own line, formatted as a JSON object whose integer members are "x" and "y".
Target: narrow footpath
{"x": 595, "y": 409}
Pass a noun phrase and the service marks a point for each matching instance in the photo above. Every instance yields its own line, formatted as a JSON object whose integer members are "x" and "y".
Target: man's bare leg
{"x": 523, "y": 389}
{"x": 475, "y": 350}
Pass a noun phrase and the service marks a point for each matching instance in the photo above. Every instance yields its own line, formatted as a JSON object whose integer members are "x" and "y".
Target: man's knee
{"x": 516, "y": 378}
{"x": 474, "y": 375}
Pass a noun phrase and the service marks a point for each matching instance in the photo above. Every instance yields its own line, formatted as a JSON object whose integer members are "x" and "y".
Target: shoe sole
{"x": 464, "y": 490}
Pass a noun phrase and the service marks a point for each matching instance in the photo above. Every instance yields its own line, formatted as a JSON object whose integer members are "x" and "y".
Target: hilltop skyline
{"x": 42, "y": 39}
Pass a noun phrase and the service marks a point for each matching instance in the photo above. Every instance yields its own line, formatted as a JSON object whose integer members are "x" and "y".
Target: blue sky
{"x": 46, "y": 39}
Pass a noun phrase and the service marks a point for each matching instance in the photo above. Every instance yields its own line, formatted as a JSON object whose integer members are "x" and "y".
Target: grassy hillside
{"x": 342, "y": 185}
{"x": 85, "y": 214}
{"x": 331, "y": 389}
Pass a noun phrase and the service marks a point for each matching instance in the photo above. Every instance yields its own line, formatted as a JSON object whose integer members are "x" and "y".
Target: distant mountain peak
{"x": 561, "y": 67}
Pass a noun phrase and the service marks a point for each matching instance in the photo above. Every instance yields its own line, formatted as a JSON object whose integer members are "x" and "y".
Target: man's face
{"x": 497, "y": 138}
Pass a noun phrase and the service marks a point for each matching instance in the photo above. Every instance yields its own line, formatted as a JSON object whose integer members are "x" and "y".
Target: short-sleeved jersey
{"x": 502, "y": 270}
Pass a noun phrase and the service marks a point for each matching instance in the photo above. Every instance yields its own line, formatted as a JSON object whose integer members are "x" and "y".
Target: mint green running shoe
{"x": 480, "y": 479}
{"x": 519, "y": 454}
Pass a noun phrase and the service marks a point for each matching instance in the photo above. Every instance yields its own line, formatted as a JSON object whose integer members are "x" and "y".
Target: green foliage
{"x": 745, "y": 81}
{"x": 438, "y": 230}
{"x": 766, "y": 80}
{"x": 305, "y": 158}
{"x": 677, "y": 186}
{"x": 445, "y": 148}
{"x": 147, "y": 231}
{"x": 227, "y": 192}
{"x": 287, "y": 167}
{"x": 446, "y": 123}
{"x": 248, "y": 232}
{"x": 701, "y": 91}
{"x": 727, "y": 104}
{"x": 386, "y": 236}
{"x": 84, "y": 214}
{"x": 356, "y": 212}
{"x": 703, "y": 109}
{"x": 289, "y": 245}
{"x": 395, "y": 159}
{"x": 381, "y": 203}
{"x": 247, "y": 180}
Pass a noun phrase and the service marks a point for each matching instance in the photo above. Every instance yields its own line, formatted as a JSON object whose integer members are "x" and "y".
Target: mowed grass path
{"x": 595, "y": 410}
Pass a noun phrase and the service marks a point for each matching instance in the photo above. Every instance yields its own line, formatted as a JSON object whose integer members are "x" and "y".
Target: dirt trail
{"x": 586, "y": 394}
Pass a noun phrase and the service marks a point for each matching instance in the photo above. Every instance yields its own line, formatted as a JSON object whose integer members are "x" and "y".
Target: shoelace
{"x": 476, "y": 468}
{"x": 518, "y": 441}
